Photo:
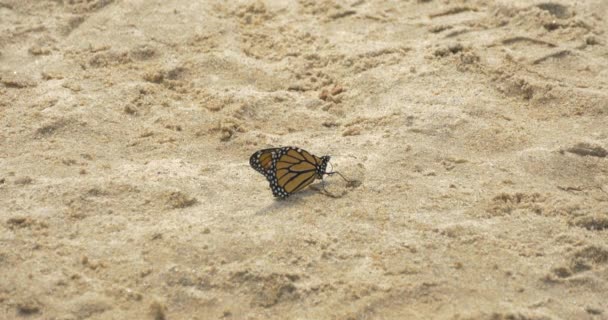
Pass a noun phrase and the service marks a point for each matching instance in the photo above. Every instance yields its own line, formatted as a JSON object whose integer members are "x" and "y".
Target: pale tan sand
{"x": 476, "y": 129}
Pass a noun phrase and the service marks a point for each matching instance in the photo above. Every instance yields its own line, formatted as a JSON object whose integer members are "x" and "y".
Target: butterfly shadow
{"x": 278, "y": 204}
{"x": 298, "y": 197}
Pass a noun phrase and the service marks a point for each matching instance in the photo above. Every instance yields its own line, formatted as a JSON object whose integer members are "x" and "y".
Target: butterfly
{"x": 289, "y": 169}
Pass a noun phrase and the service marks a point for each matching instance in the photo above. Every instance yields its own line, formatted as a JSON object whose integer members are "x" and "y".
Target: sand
{"x": 474, "y": 131}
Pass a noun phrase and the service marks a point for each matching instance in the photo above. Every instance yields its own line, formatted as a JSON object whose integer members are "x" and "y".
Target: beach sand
{"x": 475, "y": 133}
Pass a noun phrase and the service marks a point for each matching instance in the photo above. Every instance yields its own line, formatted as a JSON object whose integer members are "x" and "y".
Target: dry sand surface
{"x": 475, "y": 131}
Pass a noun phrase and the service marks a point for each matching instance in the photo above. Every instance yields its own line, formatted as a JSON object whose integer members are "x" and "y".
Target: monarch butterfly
{"x": 289, "y": 169}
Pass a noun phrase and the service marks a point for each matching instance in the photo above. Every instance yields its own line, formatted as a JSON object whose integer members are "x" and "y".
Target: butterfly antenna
{"x": 334, "y": 172}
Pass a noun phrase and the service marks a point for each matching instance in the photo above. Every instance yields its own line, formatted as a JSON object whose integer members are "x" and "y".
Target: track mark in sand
{"x": 179, "y": 200}
{"x": 506, "y": 204}
{"x": 17, "y": 81}
{"x": 439, "y": 28}
{"x": 458, "y": 32}
{"x": 268, "y": 289}
{"x": 25, "y": 222}
{"x": 342, "y": 14}
{"x": 28, "y": 306}
{"x": 591, "y": 222}
{"x": 589, "y": 258}
{"x": 513, "y": 40}
{"x": 555, "y": 9}
{"x": 587, "y": 149}
{"x": 452, "y": 11}
{"x": 53, "y": 127}
{"x": 86, "y": 6}
{"x": 6, "y": 5}
{"x": 557, "y": 55}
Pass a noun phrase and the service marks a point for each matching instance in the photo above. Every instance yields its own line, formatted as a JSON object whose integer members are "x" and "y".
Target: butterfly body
{"x": 288, "y": 169}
